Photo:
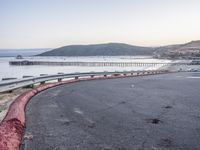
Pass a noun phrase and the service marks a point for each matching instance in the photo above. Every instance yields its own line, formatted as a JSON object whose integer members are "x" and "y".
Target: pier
{"x": 93, "y": 64}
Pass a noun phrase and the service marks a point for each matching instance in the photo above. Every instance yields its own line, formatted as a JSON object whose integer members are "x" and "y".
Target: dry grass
{"x": 7, "y": 98}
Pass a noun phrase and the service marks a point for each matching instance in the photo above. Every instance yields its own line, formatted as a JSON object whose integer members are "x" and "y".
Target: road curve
{"x": 160, "y": 112}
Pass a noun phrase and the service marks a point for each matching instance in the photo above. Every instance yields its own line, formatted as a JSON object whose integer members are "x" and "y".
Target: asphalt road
{"x": 160, "y": 112}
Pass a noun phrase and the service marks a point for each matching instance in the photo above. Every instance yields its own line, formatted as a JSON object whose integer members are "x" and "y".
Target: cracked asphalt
{"x": 160, "y": 112}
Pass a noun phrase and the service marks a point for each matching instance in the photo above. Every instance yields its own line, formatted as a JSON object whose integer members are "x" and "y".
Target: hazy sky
{"x": 54, "y": 23}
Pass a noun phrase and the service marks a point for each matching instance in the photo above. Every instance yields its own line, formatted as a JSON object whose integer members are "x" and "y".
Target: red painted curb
{"x": 11, "y": 128}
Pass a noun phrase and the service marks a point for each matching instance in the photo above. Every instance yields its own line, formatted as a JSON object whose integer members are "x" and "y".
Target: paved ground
{"x": 159, "y": 112}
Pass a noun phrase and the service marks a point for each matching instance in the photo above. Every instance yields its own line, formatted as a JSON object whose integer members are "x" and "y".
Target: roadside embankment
{"x": 7, "y": 98}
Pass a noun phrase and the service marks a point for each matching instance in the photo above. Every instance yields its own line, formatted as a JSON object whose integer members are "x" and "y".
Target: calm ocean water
{"x": 7, "y": 71}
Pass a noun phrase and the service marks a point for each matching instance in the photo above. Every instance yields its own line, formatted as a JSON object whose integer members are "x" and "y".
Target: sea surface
{"x": 7, "y": 71}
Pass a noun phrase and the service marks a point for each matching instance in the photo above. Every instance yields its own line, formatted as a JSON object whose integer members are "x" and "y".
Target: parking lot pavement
{"x": 160, "y": 112}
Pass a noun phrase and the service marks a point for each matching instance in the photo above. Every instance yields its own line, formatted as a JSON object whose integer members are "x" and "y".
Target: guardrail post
{"x": 10, "y": 91}
{"x": 29, "y": 86}
{"x": 116, "y": 74}
{"x": 43, "y": 82}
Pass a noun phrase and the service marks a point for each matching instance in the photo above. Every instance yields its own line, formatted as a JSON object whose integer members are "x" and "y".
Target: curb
{"x": 12, "y": 126}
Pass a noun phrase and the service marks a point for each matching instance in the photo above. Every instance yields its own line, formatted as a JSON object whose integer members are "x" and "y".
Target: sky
{"x": 55, "y": 23}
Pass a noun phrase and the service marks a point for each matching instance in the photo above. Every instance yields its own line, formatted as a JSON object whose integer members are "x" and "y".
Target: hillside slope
{"x": 188, "y": 50}
{"x": 110, "y": 49}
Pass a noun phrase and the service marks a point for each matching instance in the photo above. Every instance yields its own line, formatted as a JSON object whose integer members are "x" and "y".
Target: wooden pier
{"x": 93, "y": 64}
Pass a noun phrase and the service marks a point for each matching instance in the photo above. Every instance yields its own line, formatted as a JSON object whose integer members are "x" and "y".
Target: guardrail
{"x": 9, "y": 85}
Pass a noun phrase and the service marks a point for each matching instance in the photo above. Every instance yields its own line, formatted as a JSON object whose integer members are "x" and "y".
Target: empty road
{"x": 160, "y": 112}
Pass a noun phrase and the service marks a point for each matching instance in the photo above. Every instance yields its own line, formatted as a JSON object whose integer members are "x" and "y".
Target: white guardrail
{"x": 9, "y": 85}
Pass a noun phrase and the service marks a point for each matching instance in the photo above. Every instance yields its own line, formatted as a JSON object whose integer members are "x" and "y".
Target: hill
{"x": 179, "y": 51}
{"x": 187, "y": 50}
{"x": 110, "y": 49}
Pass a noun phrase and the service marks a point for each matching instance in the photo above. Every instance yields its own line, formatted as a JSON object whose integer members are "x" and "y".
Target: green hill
{"x": 110, "y": 49}
{"x": 186, "y": 51}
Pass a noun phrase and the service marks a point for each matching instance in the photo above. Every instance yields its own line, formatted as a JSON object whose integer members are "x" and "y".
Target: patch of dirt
{"x": 154, "y": 121}
{"x": 64, "y": 121}
{"x": 166, "y": 142}
{"x": 168, "y": 107}
{"x": 122, "y": 102}
{"x": 7, "y": 98}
